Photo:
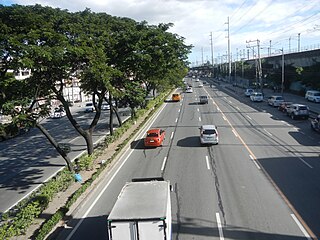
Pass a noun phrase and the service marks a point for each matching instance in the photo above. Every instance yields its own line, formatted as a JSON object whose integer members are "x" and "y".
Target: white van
{"x": 313, "y": 96}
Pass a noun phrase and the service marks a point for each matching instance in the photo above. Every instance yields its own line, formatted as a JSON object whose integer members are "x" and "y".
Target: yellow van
{"x": 176, "y": 97}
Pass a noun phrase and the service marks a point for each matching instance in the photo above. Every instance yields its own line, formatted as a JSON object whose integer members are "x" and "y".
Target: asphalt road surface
{"x": 29, "y": 160}
{"x": 260, "y": 182}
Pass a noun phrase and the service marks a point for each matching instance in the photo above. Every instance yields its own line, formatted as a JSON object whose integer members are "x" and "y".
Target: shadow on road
{"x": 299, "y": 182}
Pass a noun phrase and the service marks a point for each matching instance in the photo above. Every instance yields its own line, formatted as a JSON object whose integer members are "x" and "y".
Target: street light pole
{"x": 282, "y": 72}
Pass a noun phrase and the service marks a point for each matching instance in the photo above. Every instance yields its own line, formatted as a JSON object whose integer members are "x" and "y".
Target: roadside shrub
{"x": 85, "y": 162}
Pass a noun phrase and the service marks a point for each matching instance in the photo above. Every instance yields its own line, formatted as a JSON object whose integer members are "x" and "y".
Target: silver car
{"x": 209, "y": 134}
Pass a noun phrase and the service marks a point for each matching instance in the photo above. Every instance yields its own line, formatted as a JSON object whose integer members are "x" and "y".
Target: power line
{"x": 250, "y": 20}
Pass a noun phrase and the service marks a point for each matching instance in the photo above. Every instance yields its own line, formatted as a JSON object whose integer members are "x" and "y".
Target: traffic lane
{"x": 136, "y": 164}
{"x": 258, "y": 141}
{"x": 24, "y": 167}
{"x": 208, "y": 231}
{"x": 299, "y": 180}
{"x": 193, "y": 201}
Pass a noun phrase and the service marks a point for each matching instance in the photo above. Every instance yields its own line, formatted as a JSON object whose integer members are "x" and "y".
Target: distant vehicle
{"x": 197, "y": 80}
{"x": 248, "y": 92}
{"x": 105, "y": 106}
{"x": 209, "y": 134}
{"x": 200, "y": 84}
{"x": 175, "y": 97}
{"x": 275, "y": 101}
{"x": 58, "y": 112}
{"x": 203, "y": 99}
{"x": 89, "y": 107}
{"x": 142, "y": 211}
{"x": 204, "y": 82}
{"x": 154, "y": 138}
{"x": 256, "y": 97}
{"x": 315, "y": 123}
{"x": 189, "y": 90}
{"x": 313, "y": 96}
{"x": 284, "y": 106}
{"x": 296, "y": 111}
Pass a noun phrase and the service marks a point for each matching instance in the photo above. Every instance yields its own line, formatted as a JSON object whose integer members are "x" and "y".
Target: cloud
{"x": 275, "y": 20}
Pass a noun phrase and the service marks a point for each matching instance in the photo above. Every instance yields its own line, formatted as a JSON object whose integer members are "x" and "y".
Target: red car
{"x": 154, "y": 137}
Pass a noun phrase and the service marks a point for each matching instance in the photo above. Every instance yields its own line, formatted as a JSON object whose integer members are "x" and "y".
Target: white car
{"x": 197, "y": 80}
{"x": 313, "y": 96}
{"x": 89, "y": 107}
{"x": 256, "y": 97}
{"x": 275, "y": 101}
{"x": 200, "y": 84}
{"x": 248, "y": 92}
{"x": 189, "y": 90}
{"x": 209, "y": 134}
{"x": 105, "y": 106}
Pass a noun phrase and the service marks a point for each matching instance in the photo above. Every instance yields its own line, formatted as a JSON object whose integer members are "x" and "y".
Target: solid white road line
{"x": 219, "y": 226}
{"x": 164, "y": 163}
{"x": 305, "y": 233}
{"x": 207, "y": 161}
{"x": 171, "y": 135}
{"x": 254, "y": 161}
{"x": 224, "y": 118}
{"x": 267, "y": 132}
{"x": 235, "y": 132}
{"x": 305, "y": 162}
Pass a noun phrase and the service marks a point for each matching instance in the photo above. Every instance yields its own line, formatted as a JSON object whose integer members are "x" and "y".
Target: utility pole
{"x": 229, "y": 59}
{"x": 282, "y": 72}
{"x": 270, "y": 48}
{"x": 212, "y": 54}
{"x": 259, "y": 67}
{"x": 258, "y": 63}
{"x": 202, "y": 54}
{"x": 299, "y": 42}
{"x": 289, "y": 44}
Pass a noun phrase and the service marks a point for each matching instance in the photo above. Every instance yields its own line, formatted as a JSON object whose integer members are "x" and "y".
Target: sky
{"x": 209, "y": 25}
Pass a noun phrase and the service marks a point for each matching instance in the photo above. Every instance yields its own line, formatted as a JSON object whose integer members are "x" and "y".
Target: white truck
{"x": 142, "y": 211}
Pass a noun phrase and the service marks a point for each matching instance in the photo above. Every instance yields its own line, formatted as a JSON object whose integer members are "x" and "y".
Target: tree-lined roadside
{"x": 114, "y": 59}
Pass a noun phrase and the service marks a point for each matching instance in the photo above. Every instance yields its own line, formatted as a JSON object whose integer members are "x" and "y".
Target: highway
{"x": 29, "y": 160}
{"x": 259, "y": 182}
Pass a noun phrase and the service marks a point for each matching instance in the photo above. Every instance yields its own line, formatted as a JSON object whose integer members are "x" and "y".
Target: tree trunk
{"x": 111, "y": 116}
{"x": 117, "y": 115}
{"x": 56, "y": 145}
{"x": 86, "y": 134}
{"x": 89, "y": 142}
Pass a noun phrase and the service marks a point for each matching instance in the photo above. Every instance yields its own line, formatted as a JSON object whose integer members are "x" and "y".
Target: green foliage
{"x": 85, "y": 162}
{"x": 48, "y": 225}
{"x": 32, "y": 208}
